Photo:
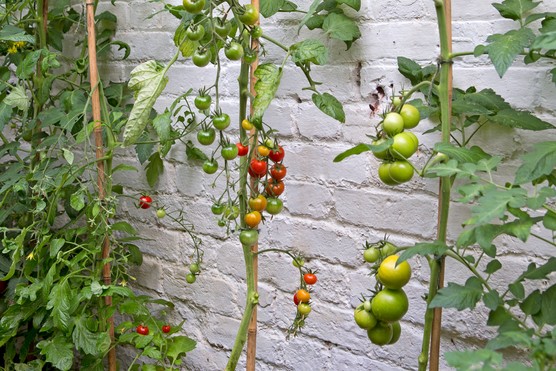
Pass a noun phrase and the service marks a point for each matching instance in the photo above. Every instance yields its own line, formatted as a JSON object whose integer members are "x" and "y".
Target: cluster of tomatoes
{"x": 144, "y": 329}
{"x": 396, "y": 168}
{"x": 380, "y": 314}
{"x": 271, "y": 179}
{"x": 213, "y": 33}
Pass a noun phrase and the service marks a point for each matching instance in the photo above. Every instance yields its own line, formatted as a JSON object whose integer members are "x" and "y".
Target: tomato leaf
{"x": 194, "y": 153}
{"x": 481, "y": 359}
{"x": 515, "y": 9}
{"x": 17, "y": 98}
{"x": 520, "y": 120}
{"x": 28, "y": 67}
{"x": 547, "y": 306}
{"x": 503, "y": 49}
{"x": 509, "y": 339}
{"x": 541, "y": 161}
{"x": 534, "y": 273}
{"x": 457, "y": 296}
{"x": 328, "y": 104}
{"x": 59, "y": 301}
{"x": 148, "y": 81}
{"x": 163, "y": 126}
{"x": 94, "y": 343}
{"x": 123, "y": 226}
{"x": 532, "y": 303}
{"x": 309, "y": 51}
{"x": 310, "y": 13}
{"x": 425, "y": 248}
{"x": 462, "y": 155}
{"x": 179, "y": 345}
{"x": 154, "y": 168}
{"x": 354, "y": 4}
{"x": 358, "y": 149}
{"x": 494, "y": 203}
{"x": 341, "y": 27}
{"x": 15, "y": 34}
{"x": 270, "y": 7}
{"x": 491, "y": 299}
{"x": 268, "y": 76}
{"x": 58, "y": 351}
{"x": 492, "y": 267}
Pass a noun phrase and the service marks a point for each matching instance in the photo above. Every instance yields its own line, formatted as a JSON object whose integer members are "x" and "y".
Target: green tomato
{"x": 256, "y": 32}
{"x": 206, "y": 136}
{"x": 203, "y": 101}
{"x": 384, "y": 174}
{"x": 201, "y": 57}
{"x": 304, "y": 308}
{"x": 221, "y": 121}
{"x": 193, "y": 6}
{"x": 195, "y": 32}
{"x": 222, "y": 27}
{"x": 234, "y": 51}
{"x": 371, "y": 255}
{"x": 392, "y": 124}
{"x": 249, "y": 56}
{"x": 410, "y": 115}
{"x": 274, "y": 205}
{"x": 160, "y": 213}
{"x": 401, "y": 171}
{"x": 249, "y": 237}
{"x": 364, "y": 318}
{"x": 217, "y": 209}
{"x": 194, "y": 268}
{"x": 384, "y": 154}
{"x": 191, "y": 278}
{"x": 248, "y": 15}
{"x": 298, "y": 262}
{"x": 229, "y": 152}
{"x": 404, "y": 145}
{"x": 210, "y": 166}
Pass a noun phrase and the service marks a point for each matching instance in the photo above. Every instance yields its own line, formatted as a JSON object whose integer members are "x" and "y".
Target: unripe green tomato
{"x": 396, "y": 332}
{"x": 371, "y": 255}
{"x": 410, "y": 115}
{"x": 364, "y": 319}
{"x": 191, "y": 278}
{"x": 381, "y": 154}
{"x": 381, "y": 334}
{"x": 384, "y": 174}
{"x": 194, "y": 268}
{"x": 401, "y": 171}
{"x": 160, "y": 213}
{"x": 393, "y": 124}
{"x": 404, "y": 146}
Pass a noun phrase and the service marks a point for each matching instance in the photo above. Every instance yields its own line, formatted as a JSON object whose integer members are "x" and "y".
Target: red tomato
{"x": 276, "y": 155}
{"x": 142, "y": 330}
{"x": 258, "y": 167}
{"x": 241, "y": 149}
{"x": 166, "y": 329}
{"x": 310, "y": 278}
{"x": 274, "y": 187}
{"x": 145, "y": 202}
{"x": 278, "y": 171}
{"x": 295, "y": 299}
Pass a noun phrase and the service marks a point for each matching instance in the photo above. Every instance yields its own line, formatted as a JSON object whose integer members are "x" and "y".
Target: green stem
{"x": 252, "y": 296}
{"x": 445, "y": 183}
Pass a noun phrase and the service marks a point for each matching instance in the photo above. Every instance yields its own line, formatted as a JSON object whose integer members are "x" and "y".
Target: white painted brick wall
{"x": 330, "y": 208}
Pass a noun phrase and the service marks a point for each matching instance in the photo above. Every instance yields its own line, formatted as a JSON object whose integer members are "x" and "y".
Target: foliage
{"x": 54, "y": 220}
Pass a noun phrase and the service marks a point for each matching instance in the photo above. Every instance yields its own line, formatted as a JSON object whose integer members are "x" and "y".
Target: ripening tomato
{"x": 258, "y": 203}
{"x": 202, "y": 101}
{"x": 384, "y": 174}
{"x": 246, "y": 125}
{"x": 274, "y": 187}
{"x": 278, "y": 171}
{"x": 393, "y": 275}
{"x": 304, "y": 309}
{"x": 295, "y": 299}
{"x": 263, "y": 150}
{"x": 145, "y": 202}
{"x": 380, "y": 154}
{"x": 303, "y": 295}
{"x": 253, "y": 218}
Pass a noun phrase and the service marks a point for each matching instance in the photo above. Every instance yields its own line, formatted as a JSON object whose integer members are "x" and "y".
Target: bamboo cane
{"x": 437, "y": 319}
{"x": 101, "y": 181}
{"x": 252, "y": 330}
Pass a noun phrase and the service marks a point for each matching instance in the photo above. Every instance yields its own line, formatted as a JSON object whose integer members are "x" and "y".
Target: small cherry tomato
{"x": 210, "y": 166}
{"x": 248, "y": 15}
{"x": 229, "y": 152}
{"x": 222, "y": 27}
{"x": 274, "y": 206}
{"x": 234, "y": 51}
{"x": 145, "y": 202}
{"x": 253, "y": 218}
{"x": 221, "y": 121}
{"x": 256, "y": 32}
{"x": 202, "y": 101}
{"x": 160, "y": 213}
{"x": 191, "y": 278}
{"x": 193, "y": 6}
{"x": 242, "y": 150}
{"x": 258, "y": 166}
{"x": 304, "y": 309}
{"x": 303, "y": 295}
{"x": 277, "y": 155}
{"x": 295, "y": 299}
{"x": 258, "y": 203}
{"x": 217, "y": 209}
{"x": 310, "y": 278}
{"x": 298, "y": 262}
{"x": 274, "y": 187}
{"x": 142, "y": 330}
{"x": 195, "y": 32}
{"x": 246, "y": 125}
{"x": 166, "y": 329}
{"x": 278, "y": 171}
{"x": 206, "y": 136}
{"x": 263, "y": 150}
{"x": 248, "y": 237}
{"x": 201, "y": 57}
{"x": 194, "y": 268}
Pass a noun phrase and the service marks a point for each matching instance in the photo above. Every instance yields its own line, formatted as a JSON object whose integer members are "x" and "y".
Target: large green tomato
{"x": 193, "y": 6}
{"x": 392, "y": 124}
{"x": 404, "y": 145}
{"x": 410, "y": 115}
{"x": 381, "y": 334}
{"x": 384, "y": 174}
{"x": 401, "y": 171}
{"x": 248, "y": 237}
{"x": 249, "y": 15}
{"x": 390, "y": 305}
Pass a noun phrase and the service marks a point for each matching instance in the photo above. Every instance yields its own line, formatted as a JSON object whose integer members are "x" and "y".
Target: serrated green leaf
{"x": 77, "y": 200}
{"x": 268, "y": 76}
{"x": 436, "y": 248}
{"x": 163, "y": 126}
{"x": 541, "y": 161}
{"x": 28, "y": 67}
{"x": 55, "y": 246}
{"x": 17, "y": 98}
{"x": 545, "y": 41}
{"x": 148, "y": 80}
{"x": 494, "y": 203}
{"x": 310, "y": 13}
{"x": 503, "y": 49}
{"x": 354, "y": 4}
{"x": 5, "y": 114}
{"x": 548, "y": 305}
{"x": 462, "y": 155}
{"x": 93, "y": 343}
{"x": 179, "y": 345}
{"x": 341, "y": 27}
{"x": 154, "y": 168}
{"x": 458, "y": 296}
{"x": 309, "y": 51}
{"x": 515, "y": 9}
{"x": 58, "y": 351}
{"x": 534, "y": 273}
{"x": 194, "y": 153}
{"x": 59, "y": 302}
{"x": 509, "y": 339}
{"x": 125, "y": 227}
{"x": 473, "y": 359}
{"x": 520, "y": 120}
{"x": 328, "y": 104}
{"x": 15, "y": 34}
{"x": 532, "y": 303}
{"x": 270, "y": 7}
{"x": 488, "y": 99}
{"x": 491, "y": 299}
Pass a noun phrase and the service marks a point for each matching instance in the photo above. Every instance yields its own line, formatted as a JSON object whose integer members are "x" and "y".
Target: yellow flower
{"x": 19, "y": 44}
{"x": 123, "y": 283}
{"x": 12, "y": 49}
{"x": 31, "y": 255}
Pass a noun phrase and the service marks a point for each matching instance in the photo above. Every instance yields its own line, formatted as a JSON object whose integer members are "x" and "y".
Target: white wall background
{"x": 330, "y": 208}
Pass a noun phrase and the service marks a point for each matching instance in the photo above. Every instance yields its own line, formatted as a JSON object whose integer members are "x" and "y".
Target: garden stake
{"x": 252, "y": 331}
{"x": 95, "y": 101}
